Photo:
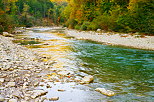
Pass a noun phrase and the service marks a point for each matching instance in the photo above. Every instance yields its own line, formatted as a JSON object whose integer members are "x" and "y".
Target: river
{"x": 126, "y": 71}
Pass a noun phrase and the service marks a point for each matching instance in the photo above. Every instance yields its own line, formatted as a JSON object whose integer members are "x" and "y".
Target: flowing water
{"x": 128, "y": 72}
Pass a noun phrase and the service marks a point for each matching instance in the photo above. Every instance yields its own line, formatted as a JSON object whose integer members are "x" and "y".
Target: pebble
{"x": 2, "y": 98}
{"x": 64, "y": 73}
{"x": 25, "y": 85}
{"x": 27, "y": 75}
{"x": 36, "y": 83}
{"x": 54, "y": 99}
{"x": 2, "y": 80}
{"x": 17, "y": 94}
{"x": 23, "y": 101}
{"x": 11, "y": 69}
{"x": 48, "y": 86}
{"x": 61, "y": 90}
{"x": 11, "y": 84}
{"x": 2, "y": 88}
{"x": 13, "y": 100}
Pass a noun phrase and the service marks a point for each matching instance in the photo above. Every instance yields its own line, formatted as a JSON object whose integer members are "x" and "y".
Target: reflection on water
{"x": 129, "y": 72}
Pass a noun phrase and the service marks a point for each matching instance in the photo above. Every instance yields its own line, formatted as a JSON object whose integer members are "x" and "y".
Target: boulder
{"x": 105, "y": 92}
{"x": 87, "y": 79}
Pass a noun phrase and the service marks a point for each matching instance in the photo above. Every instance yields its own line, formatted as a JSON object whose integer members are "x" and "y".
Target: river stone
{"x": 64, "y": 73}
{"x": 2, "y": 88}
{"x": 23, "y": 101}
{"x": 27, "y": 75}
{"x": 6, "y": 34}
{"x": 105, "y": 92}
{"x": 87, "y": 79}
{"x": 13, "y": 100}
{"x": 54, "y": 99}
{"x": 11, "y": 84}
{"x": 37, "y": 93}
{"x": 36, "y": 83}
{"x": 2, "y": 80}
{"x": 2, "y": 98}
{"x": 48, "y": 86}
{"x": 17, "y": 94}
{"x": 98, "y": 30}
{"x": 11, "y": 69}
{"x": 61, "y": 90}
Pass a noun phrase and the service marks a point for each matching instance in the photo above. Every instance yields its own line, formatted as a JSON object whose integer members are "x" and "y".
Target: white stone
{"x": 2, "y": 80}
{"x": 12, "y": 100}
{"x": 105, "y": 92}
{"x": 87, "y": 79}
{"x": 2, "y": 98}
{"x": 98, "y": 30}
{"x": 36, "y": 83}
{"x": 5, "y": 33}
{"x": 25, "y": 85}
{"x": 11, "y": 84}
{"x": 64, "y": 73}
{"x": 23, "y": 101}
{"x": 28, "y": 75}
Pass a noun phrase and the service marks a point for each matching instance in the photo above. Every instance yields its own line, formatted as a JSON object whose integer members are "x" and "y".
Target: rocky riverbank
{"x": 25, "y": 77}
{"x": 19, "y": 71}
{"x": 128, "y": 40}
{"x": 23, "y": 71}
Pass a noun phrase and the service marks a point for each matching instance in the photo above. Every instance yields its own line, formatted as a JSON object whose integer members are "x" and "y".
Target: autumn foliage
{"x": 109, "y": 15}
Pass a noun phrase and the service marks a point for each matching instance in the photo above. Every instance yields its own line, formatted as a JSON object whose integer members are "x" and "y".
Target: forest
{"x": 127, "y": 16}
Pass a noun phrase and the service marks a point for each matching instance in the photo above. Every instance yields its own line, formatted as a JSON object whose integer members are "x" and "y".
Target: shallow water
{"x": 128, "y": 72}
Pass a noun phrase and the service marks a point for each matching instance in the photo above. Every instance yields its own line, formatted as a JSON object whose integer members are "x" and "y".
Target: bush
{"x": 104, "y": 22}
{"x": 85, "y": 25}
{"x": 140, "y": 19}
{"x": 78, "y": 27}
{"x": 7, "y": 23}
{"x": 71, "y": 23}
{"x": 93, "y": 26}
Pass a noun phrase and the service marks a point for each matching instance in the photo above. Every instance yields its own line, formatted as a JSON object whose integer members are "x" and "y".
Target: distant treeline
{"x": 29, "y": 13}
{"x": 109, "y": 15}
{"x": 112, "y": 15}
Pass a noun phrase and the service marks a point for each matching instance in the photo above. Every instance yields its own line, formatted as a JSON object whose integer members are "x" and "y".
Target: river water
{"x": 128, "y": 72}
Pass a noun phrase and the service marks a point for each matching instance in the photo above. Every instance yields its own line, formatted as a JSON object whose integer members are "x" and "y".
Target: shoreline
{"x": 126, "y": 40}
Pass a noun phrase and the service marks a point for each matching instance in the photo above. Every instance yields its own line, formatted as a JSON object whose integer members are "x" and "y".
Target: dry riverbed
{"x": 25, "y": 77}
{"x": 109, "y": 38}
